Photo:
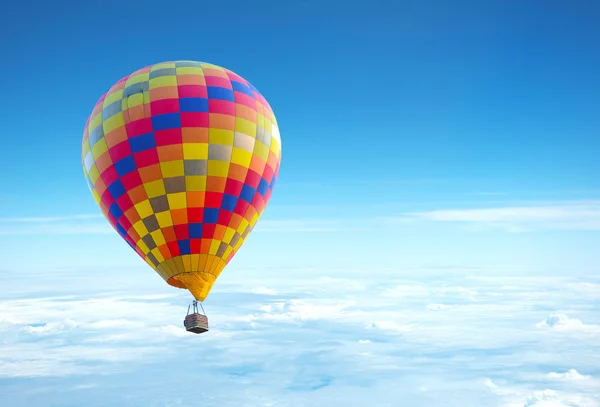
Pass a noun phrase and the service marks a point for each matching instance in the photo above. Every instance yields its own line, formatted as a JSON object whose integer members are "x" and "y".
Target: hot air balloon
{"x": 182, "y": 157}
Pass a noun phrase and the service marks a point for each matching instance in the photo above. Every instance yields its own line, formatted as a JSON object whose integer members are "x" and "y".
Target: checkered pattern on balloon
{"x": 182, "y": 158}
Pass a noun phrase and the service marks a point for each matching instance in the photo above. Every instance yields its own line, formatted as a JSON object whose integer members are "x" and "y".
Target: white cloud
{"x": 571, "y": 374}
{"x": 587, "y": 289}
{"x": 520, "y": 395}
{"x": 264, "y": 290}
{"x": 551, "y": 398}
{"x": 114, "y": 324}
{"x": 562, "y": 215}
{"x": 431, "y": 290}
{"x": 304, "y": 310}
{"x": 60, "y": 336}
{"x": 51, "y": 327}
{"x": 173, "y": 330}
{"x": 559, "y": 321}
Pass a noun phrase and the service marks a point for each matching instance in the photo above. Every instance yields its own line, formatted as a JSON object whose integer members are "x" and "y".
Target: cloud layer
{"x": 447, "y": 340}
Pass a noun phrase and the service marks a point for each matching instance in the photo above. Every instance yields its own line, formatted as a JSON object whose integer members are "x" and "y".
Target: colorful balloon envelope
{"x": 182, "y": 158}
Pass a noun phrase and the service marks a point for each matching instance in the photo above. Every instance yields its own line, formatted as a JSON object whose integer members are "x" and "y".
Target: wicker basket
{"x": 196, "y": 323}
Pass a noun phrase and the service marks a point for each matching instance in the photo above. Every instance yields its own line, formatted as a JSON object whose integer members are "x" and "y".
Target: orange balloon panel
{"x": 182, "y": 158}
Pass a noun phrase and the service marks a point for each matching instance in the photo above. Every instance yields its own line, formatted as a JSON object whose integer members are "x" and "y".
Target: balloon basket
{"x": 195, "y": 322}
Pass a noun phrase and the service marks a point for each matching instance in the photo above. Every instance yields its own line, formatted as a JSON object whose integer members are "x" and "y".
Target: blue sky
{"x": 416, "y": 136}
{"x": 385, "y": 109}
